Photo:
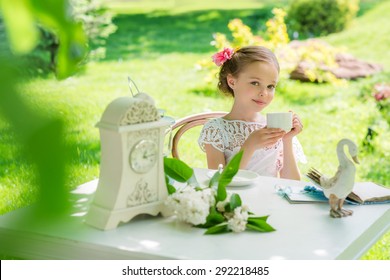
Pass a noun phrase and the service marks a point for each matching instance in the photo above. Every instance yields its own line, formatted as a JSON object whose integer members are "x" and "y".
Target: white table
{"x": 304, "y": 231}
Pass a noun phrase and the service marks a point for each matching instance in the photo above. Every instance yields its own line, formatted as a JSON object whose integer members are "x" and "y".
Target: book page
{"x": 369, "y": 191}
{"x": 363, "y": 192}
{"x": 299, "y": 195}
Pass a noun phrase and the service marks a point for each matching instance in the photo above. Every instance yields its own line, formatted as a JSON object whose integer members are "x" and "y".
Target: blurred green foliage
{"x": 97, "y": 25}
{"x": 20, "y": 20}
{"x": 40, "y": 136}
{"x": 312, "y": 18}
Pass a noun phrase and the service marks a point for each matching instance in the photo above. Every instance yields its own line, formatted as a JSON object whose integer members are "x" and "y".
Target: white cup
{"x": 280, "y": 120}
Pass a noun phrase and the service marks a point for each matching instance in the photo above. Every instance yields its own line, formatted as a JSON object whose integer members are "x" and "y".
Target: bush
{"x": 377, "y": 89}
{"x": 97, "y": 25}
{"x": 312, "y": 18}
{"x": 376, "y": 92}
{"x": 318, "y": 57}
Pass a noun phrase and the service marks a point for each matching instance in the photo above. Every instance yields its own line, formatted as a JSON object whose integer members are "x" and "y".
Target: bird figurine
{"x": 338, "y": 187}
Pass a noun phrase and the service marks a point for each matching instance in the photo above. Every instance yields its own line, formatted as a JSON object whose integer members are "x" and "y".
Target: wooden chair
{"x": 184, "y": 124}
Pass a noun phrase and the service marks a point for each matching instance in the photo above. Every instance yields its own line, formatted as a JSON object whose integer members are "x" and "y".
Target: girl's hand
{"x": 264, "y": 137}
{"x": 297, "y": 127}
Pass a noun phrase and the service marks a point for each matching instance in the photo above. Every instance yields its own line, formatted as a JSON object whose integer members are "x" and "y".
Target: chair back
{"x": 184, "y": 124}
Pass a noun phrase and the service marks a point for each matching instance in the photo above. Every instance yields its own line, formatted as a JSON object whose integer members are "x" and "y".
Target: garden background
{"x": 159, "y": 44}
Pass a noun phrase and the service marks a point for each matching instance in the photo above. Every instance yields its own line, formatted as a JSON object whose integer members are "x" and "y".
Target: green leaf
{"x": 221, "y": 228}
{"x": 215, "y": 179}
{"x": 227, "y": 208}
{"x": 221, "y": 193}
{"x": 171, "y": 189}
{"x": 227, "y": 175}
{"x": 167, "y": 180}
{"x": 72, "y": 50}
{"x": 264, "y": 218}
{"x": 254, "y": 227}
{"x": 230, "y": 170}
{"x": 259, "y": 225}
{"x": 235, "y": 201}
{"x": 20, "y": 25}
{"x": 214, "y": 218}
{"x": 177, "y": 170}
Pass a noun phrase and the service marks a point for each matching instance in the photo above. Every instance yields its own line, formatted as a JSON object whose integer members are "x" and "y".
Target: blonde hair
{"x": 241, "y": 58}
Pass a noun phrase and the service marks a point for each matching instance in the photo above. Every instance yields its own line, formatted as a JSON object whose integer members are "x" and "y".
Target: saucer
{"x": 242, "y": 178}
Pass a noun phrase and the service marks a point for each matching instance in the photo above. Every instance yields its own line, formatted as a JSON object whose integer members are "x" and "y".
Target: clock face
{"x": 143, "y": 156}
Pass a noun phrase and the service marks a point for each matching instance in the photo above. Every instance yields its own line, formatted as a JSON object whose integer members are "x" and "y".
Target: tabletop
{"x": 303, "y": 231}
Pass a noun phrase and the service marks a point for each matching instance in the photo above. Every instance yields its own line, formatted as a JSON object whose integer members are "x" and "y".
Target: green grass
{"x": 185, "y": 6}
{"x": 368, "y": 37}
{"x": 158, "y": 46}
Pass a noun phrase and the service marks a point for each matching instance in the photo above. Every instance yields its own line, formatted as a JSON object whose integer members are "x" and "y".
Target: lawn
{"x": 158, "y": 44}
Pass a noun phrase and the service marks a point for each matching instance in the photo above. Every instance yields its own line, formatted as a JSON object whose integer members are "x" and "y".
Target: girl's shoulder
{"x": 216, "y": 122}
{"x": 261, "y": 122}
{"x": 233, "y": 126}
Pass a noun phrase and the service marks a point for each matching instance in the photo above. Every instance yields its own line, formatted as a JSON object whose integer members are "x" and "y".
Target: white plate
{"x": 242, "y": 178}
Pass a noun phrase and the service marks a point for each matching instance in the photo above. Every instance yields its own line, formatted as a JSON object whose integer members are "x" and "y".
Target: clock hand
{"x": 148, "y": 155}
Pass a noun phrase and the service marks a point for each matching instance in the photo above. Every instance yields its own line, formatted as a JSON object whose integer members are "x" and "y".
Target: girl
{"x": 250, "y": 75}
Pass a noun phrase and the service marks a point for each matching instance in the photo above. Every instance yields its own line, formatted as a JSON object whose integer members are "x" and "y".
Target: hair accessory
{"x": 220, "y": 57}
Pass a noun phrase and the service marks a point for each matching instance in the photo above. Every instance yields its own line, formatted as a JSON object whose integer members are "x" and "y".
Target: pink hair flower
{"x": 220, "y": 57}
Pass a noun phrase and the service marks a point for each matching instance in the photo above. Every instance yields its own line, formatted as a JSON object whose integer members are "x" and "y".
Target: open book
{"x": 363, "y": 193}
{"x": 369, "y": 193}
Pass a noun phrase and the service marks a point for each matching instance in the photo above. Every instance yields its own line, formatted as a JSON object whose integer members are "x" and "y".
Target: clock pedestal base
{"x": 132, "y": 179}
{"x": 105, "y": 219}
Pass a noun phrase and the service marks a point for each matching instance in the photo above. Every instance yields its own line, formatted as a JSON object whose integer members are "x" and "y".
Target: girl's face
{"x": 254, "y": 87}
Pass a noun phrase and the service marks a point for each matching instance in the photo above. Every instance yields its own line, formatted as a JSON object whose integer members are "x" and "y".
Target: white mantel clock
{"x": 132, "y": 177}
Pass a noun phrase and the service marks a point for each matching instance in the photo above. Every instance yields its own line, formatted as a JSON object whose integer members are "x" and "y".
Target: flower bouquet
{"x": 210, "y": 207}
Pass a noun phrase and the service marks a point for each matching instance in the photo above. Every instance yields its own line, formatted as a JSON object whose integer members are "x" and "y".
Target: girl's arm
{"x": 259, "y": 139}
{"x": 290, "y": 168}
{"x": 214, "y": 157}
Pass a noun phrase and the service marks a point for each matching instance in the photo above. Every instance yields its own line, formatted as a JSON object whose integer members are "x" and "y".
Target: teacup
{"x": 280, "y": 120}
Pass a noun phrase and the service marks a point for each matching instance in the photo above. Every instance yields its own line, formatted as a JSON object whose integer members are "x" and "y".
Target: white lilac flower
{"x": 191, "y": 206}
{"x": 222, "y": 204}
{"x": 238, "y": 222}
{"x": 208, "y": 195}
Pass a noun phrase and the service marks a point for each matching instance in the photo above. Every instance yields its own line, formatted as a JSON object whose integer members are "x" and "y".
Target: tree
{"x": 97, "y": 24}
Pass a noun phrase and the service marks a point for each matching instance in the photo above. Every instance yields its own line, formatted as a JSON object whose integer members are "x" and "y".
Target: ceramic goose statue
{"x": 338, "y": 187}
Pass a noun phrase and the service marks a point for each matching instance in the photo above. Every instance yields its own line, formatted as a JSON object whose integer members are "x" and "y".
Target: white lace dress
{"x": 228, "y": 136}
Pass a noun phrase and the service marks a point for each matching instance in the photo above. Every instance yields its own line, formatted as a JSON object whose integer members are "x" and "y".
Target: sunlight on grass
{"x": 368, "y": 37}
{"x": 179, "y": 6}
{"x": 380, "y": 251}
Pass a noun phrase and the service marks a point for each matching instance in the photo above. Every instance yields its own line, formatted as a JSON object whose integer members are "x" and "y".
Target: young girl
{"x": 250, "y": 75}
